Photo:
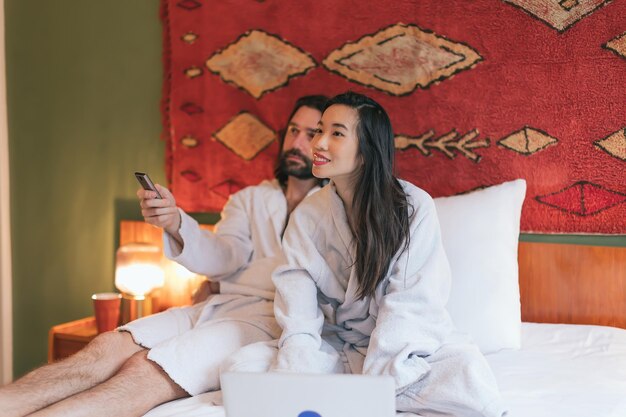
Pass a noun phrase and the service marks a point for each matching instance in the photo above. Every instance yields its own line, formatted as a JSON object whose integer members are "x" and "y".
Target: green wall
{"x": 84, "y": 84}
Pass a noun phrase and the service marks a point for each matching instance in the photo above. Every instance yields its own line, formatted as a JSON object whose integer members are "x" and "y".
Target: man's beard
{"x": 301, "y": 171}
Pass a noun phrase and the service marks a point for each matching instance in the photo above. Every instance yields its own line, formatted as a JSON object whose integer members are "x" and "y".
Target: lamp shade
{"x": 138, "y": 269}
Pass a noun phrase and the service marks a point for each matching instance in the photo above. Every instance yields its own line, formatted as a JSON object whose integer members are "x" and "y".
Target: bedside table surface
{"x": 79, "y": 329}
{"x": 67, "y": 338}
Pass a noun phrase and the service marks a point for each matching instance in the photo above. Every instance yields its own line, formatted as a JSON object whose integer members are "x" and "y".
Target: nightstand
{"x": 68, "y": 338}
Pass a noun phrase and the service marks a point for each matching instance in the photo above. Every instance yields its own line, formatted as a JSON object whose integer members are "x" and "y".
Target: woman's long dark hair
{"x": 380, "y": 210}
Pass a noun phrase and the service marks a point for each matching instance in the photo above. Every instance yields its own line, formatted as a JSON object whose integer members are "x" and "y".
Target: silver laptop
{"x": 300, "y": 395}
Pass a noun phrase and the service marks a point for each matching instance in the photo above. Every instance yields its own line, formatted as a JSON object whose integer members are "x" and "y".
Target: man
{"x": 178, "y": 352}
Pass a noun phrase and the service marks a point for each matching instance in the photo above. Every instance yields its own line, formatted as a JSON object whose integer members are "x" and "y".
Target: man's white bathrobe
{"x": 403, "y": 330}
{"x": 190, "y": 343}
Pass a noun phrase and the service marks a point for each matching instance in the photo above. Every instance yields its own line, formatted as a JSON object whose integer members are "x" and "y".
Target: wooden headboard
{"x": 559, "y": 283}
{"x": 573, "y": 284}
{"x": 135, "y": 231}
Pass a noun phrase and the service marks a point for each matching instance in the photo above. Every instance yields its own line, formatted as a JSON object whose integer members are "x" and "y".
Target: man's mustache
{"x": 295, "y": 152}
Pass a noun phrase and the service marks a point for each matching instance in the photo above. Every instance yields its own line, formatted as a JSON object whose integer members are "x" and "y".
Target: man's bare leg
{"x": 139, "y": 386}
{"x": 97, "y": 362}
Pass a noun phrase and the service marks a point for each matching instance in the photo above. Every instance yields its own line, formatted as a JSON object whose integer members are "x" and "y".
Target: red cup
{"x": 106, "y": 306}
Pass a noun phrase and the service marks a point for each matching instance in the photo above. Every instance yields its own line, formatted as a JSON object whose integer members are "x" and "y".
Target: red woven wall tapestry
{"x": 479, "y": 93}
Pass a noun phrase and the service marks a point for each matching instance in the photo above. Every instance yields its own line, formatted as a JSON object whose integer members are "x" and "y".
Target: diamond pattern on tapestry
{"x": 259, "y": 62}
{"x": 400, "y": 58}
{"x": 245, "y": 135}
{"x": 191, "y": 176}
{"x": 560, "y": 15}
{"x": 189, "y": 4}
{"x": 226, "y": 188}
{"x": 527, "y": 141}
{"x": 583, "y": 199}
{"x": 568, "y": 4}
{"x": 446, "y": 144}
{"x": 614, "y": 144}
{"x": 617, "y": 45}
{"x": 193, "y": 72}
{"x": 189, "y": 142}
{"x": 189, "y": 38}
{"x": 191, "y": 108}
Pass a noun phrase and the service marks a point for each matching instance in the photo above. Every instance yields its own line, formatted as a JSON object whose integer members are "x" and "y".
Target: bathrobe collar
{"x": 276, "y": 204}
{"x": 340, "y": 219}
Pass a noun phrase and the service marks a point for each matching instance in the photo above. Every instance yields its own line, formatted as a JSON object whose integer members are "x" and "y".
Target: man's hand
{"x": 203, "y": 291}
{"x": 161, "y": 212}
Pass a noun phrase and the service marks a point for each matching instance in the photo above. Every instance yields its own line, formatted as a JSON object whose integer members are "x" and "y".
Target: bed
{"x": 559, "y": 348}
{"x": 562, "y": 370}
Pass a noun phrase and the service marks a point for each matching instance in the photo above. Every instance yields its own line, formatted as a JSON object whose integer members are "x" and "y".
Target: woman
{"x": 366, "y": 278}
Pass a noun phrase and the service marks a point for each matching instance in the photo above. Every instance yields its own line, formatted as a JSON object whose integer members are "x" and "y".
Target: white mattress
{"x": 560, "y": 371}
{"x": 564, "y": 371}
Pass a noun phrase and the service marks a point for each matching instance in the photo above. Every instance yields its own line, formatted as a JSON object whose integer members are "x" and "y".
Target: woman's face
{"x": 336, "y": 145}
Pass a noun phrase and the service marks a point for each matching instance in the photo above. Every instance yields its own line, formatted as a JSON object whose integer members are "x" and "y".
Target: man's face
{"x": 296, "y": 157}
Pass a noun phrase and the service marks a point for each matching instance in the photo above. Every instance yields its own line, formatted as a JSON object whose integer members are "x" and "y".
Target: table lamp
{"x": 179, "y": 285}
{"x": 138, "y": 272}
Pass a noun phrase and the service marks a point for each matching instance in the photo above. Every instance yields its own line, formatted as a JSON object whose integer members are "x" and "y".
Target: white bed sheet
{"x": 564, "y": 371}
{"x": 561, "y": 370}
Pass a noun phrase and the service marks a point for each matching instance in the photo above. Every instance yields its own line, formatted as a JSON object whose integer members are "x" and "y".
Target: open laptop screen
{"x": 303, "y": 395}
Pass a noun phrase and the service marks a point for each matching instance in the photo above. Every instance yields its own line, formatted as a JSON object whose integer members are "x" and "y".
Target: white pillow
{"x": 480, "y": 232}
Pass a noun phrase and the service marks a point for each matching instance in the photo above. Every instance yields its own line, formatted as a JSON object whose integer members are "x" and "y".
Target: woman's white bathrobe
{"x": 403, "y": 330}
{"x": 190, "y": 343}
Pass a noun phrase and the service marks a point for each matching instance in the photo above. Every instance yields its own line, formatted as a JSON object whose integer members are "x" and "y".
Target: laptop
{"x": 306, "y": 395}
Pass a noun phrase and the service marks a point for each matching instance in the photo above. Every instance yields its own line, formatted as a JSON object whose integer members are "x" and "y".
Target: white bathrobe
{"x": 189, "y": 343}
{"x": 246, "y": 245}
{"x": 403, "y": 330}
